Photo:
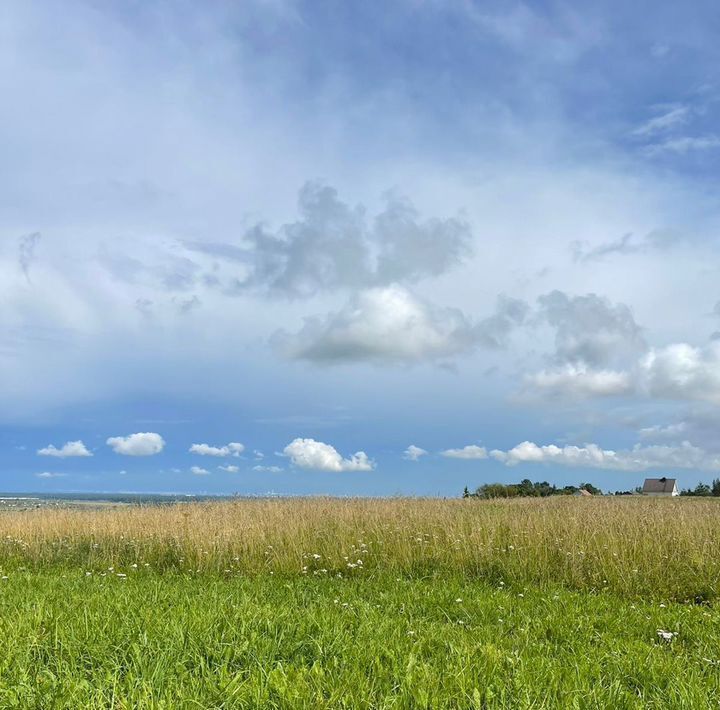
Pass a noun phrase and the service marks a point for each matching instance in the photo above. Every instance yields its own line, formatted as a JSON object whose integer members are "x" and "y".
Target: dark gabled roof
{"x": 659, "y": 485}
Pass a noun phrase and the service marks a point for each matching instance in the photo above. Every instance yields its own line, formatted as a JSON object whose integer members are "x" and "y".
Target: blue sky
{"x": 329, "y": 233}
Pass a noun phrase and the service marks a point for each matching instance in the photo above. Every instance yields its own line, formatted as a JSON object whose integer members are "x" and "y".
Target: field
{"x": 334, "y": 603}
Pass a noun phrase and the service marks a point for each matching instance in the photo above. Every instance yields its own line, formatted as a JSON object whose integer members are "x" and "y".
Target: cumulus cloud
{"x": 595, "y": 342}
{"x": 590, "y": 330}
{"x": 333, "y": 246}
{"x": 268, "y": 469}
{"x": 199, "y": 471}
{"x": 467, "y": 452}
{"x": 140, "y": 444}
{"x": 311, "y": 454}
{"x": 70, "y": 449}
{"x": 229, "y": 469}
{"x": 413, "y": 453}
{"x": 639, "y": 458}
{"x": 50, "y": 474}
{"x": 232, "y": 449}
{"x": 681, "y": 371}
{"x": 381, "y": 325}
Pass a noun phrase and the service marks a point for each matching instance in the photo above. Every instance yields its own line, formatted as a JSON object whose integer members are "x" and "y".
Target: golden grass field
{"x": 628, "y": 545}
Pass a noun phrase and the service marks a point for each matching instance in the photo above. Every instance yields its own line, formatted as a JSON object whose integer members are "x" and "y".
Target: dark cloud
{"x": 334, "y": 246}
{"x": 657, "y": 239}
{"x": 26, "y": 256}
{"x": 590, "y": 330}
{"x": 494, "y": 331}
{"x": 624, "y": 245}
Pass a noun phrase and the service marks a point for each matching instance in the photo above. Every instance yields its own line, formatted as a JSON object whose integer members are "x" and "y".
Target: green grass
{"x": 208, "y": 640}
{"x": 327, "y": 603}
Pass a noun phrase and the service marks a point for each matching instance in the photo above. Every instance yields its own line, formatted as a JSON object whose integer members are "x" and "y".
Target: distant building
{"x": 582, "y": 493}
{"x": 660, "y": 487}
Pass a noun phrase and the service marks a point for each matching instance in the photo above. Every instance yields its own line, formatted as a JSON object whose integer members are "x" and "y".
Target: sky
{"x": 325, "y": 248}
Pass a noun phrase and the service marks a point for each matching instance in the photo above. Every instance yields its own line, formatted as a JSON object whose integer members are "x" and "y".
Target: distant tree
{"x": 466, "y": 492}
{"x": 702, "y": 489}
{"x": 715, "y": 487}
{"x": 590, "y": 489}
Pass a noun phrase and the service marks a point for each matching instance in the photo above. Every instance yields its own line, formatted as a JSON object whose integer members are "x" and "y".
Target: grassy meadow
{"x": 339, "y": 603}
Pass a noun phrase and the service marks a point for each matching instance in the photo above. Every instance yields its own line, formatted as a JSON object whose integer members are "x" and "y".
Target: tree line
{"x": 703, "y": 489}
{"x": 542, "y": 489}
{"x": 527, "y": 488}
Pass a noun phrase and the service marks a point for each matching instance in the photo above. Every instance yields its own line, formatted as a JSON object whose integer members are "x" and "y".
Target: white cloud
{"x": 199, "y": 471}
{"x": 269, "y": 469}
{"x": 467, "y": 452}
{"x": 671, "y": 431}
{"x": 48, "y": 474}
{"x": 581, "y": 381}
{"x": 229, "y": 469}
{"x": 639, "y": 458}
{"x": 70, "y": 449}
{"x": 140, "y": 444}
{"x": 681, "y": 371}
{"x": 675, "y": 372}
{"x": 311, "y": 454}
{"x": 381, "y": 324}
{"x": 413, "y": 453}
{"x": 672, "y": 118}
{"x": 683, "y": 145}
{"x": 231, "y": 449}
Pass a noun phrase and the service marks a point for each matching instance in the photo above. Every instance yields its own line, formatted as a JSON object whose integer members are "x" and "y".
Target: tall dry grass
{"x": 659, "y": 547}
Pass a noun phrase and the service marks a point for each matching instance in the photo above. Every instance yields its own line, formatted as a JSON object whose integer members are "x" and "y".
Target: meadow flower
{"x": 666, "y": 635}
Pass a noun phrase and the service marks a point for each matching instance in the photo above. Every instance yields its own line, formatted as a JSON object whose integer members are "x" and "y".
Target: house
{"x": 660, "y": 487}
{"x": 582, "y": 493}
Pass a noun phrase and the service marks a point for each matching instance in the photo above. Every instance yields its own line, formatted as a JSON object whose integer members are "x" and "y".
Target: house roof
{"x": 659, "y": 485}
{"x": 582, "y": 492}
